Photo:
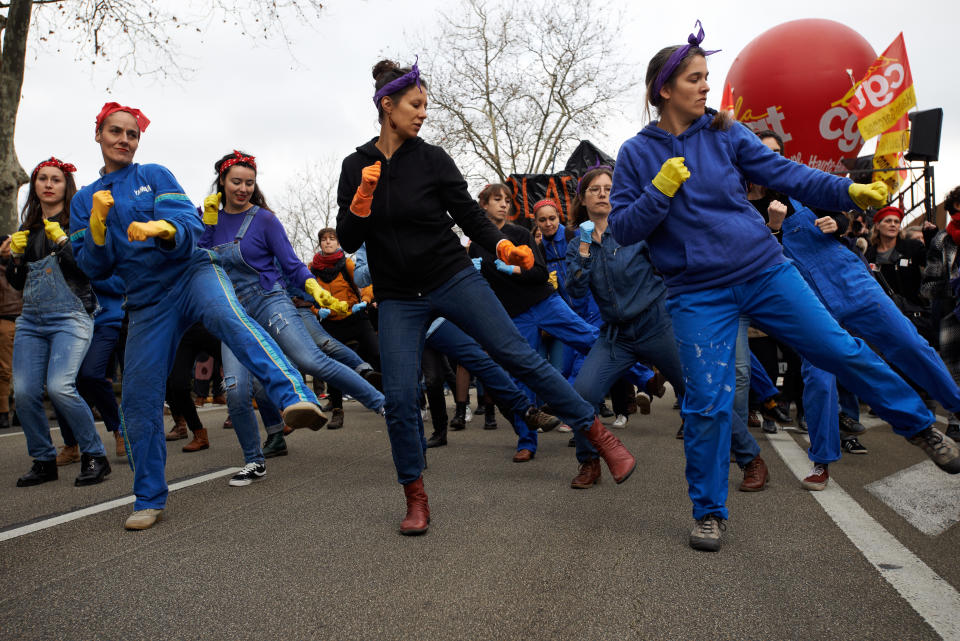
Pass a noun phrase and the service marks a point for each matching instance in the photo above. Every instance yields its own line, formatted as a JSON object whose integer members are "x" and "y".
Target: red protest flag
{"x": 885, "y": 93}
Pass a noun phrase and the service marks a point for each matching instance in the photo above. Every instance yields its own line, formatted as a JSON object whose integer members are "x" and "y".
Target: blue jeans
{"x": 467, "y": 300}
{"x": 329, "y": 345}
{"x": 648, "y": 338}
{"x": 779, "y": 302}
{"x": 93, "y": 383}
{"x": 451, "y": 340}
{"x": 204, "y": 293}
{"x": 742, "y": 443}
{"x": 276, "y": 314}
{"x": 48, "y": 349}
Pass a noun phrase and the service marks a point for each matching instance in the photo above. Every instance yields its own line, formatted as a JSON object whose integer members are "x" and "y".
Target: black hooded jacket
{"x": 411, "y": 246}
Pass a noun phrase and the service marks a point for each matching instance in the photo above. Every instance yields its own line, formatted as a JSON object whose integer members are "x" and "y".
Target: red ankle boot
{"x": 418, "y": 510}
{"x": 612, "y": 451}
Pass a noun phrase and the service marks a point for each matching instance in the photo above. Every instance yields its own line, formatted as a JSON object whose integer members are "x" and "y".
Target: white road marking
{"x": 934, "y": 599}
{"x": 922, "y": 494}
{"x": 103, "y": 507}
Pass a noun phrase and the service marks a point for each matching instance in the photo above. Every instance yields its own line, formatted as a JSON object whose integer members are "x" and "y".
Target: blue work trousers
{"x": 203, "y": 293}
{"x": 467, "y": 300}
{"x": 779, "y": 302}
{"x": 878, "y": 321}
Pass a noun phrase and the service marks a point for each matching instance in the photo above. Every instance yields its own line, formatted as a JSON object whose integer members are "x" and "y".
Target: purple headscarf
{"x": 677, "y": 56}
{"x": 407, "y": 79}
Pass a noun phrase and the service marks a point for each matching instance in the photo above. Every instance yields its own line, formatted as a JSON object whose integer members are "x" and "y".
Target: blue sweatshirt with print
{"x": 141, "y": 193}
{"x": 709, "y": 235}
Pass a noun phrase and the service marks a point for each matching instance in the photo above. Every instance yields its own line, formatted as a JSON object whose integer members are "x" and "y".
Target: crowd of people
{"x": 703, "y": 259}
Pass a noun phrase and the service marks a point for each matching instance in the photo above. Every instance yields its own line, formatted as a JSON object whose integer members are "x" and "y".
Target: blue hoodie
{"x": 709, "y": 235}
{"x": 151, "y": 268}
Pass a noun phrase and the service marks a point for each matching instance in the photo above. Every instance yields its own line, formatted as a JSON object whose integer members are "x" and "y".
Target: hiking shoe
{"x": 251, "y": 472}
{"x": 850, "y": 425}
{"x": 336, "y": 419}
{"x": 539, "y": 420}
{"x": 68, "y": 454}
{"x": 620, "y": 422}
{"x": 817, "y": 479}
{"x": 853, "y": 446}
{"x": 943, "y": 451}
{"x": 275, "y": 445}
{"x": 706, "y": 533}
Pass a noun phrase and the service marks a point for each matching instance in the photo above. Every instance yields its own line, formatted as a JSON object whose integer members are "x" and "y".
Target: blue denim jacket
{"x": 621, "y": 279}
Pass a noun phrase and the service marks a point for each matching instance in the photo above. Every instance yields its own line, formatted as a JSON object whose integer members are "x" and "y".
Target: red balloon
{"x": 796, "y": 79}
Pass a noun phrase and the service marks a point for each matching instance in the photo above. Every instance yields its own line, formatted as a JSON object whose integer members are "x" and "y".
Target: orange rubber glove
{"x": 364, "y": 196}
{"x": 509, "y": 253}
{"x": 138, "y": 232}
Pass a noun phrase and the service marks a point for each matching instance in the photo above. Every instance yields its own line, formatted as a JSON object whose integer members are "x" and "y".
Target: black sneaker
{"x": 849, "y": 425}
{"x": 251, "y": 472}
{"x": 275, "y": 445}
{"x": 802, "y": 425}
{"x": 768, "y": 426}
{"x": 770, "y": 410}
{"x": 853, "y": 446}
{"x": 941, "y": 450}
{"x": 490, "y": 418}
{"x": 93, "y": 470}
{"x": 605, "y": 412}
{"x": 41, "y": 472}
{"x": 437, "y": 439}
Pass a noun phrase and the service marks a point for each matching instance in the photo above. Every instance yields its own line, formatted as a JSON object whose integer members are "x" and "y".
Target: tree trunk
{"x": 12, "y": 57}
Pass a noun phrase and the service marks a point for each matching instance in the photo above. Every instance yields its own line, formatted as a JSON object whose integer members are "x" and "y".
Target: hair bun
{"x": 384, "y": 66}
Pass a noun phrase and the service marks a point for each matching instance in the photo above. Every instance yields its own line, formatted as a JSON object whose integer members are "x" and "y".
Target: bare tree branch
{"x": 507, "y": 96}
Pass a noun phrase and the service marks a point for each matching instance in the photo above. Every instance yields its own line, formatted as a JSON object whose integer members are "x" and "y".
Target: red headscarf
{"x": 65, "y": 167}
{"x": 543, "y": 203}
{"x": 237, "y": 157}
{"x": 113, "y": 107}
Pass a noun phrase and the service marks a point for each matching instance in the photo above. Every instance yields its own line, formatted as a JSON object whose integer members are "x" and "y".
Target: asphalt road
{"x": 313, "y": 552}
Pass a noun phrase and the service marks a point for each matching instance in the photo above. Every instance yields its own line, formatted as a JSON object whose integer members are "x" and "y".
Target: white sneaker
{"x": 468, "y": 416}
{"x": 564, "y": 428}
{"x": 248, "y": 474}
{"x": 620, "y": 422}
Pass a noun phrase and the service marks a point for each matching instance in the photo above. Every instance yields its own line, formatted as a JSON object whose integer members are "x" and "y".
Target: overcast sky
{"x": 289, "y": 113}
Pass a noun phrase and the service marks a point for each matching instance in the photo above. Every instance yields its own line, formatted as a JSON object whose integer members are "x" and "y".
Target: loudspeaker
{"x": 925, "y": 135}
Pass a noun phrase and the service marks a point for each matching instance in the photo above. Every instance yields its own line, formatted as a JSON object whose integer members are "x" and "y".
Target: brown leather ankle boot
{"x": 588, "y": 476}
{"x": 612, "y": 451}
{"x": 179, "y": 429}
{"x": 199, "y": 442}
{"x": 418, "y": 510}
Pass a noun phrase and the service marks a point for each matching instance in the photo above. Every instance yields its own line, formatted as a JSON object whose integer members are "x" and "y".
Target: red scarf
{"x": 326, "y": 261}
{"x": 953, "y": 227}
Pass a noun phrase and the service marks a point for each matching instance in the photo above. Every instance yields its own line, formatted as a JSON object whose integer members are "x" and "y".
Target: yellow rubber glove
{"x": 211, "y": 208}
{"x": 102, "y": 202}
{"x": 138, "y": 232}
{"x": 325, "y": 298}
{"x": 865, "y": 196}
{"x": 369, "y": 177}
{"x": 672, "y": 174}
{"x": 18, "y": 242}
{"x": 552, "y": 279}
{"x": 54, "y": 231}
